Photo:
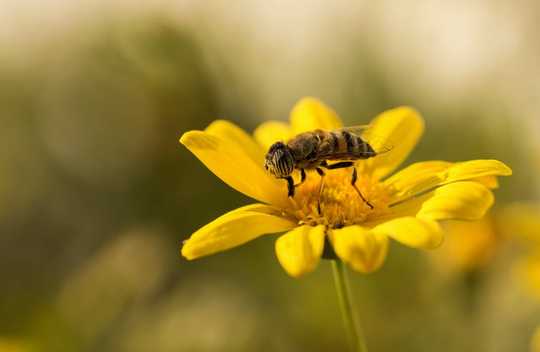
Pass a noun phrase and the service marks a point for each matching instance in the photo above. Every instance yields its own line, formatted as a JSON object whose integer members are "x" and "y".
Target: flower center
{"x": 338, "y": 204}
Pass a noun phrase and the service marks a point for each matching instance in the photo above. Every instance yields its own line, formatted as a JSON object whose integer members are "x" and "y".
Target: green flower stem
{"x": 356, "y": 336}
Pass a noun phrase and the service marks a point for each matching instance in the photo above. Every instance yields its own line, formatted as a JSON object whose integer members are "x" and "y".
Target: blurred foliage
{"x": 96, "y": 196}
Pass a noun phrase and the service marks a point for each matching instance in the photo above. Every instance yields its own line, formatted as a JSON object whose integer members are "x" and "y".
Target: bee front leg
{"x": 290, "y": 183}
{"x": 290, "y": 186}
{"x": 302, "y": 177}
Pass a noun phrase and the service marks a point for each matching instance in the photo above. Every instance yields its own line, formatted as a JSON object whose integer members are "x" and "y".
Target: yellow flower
{"x": 535, "y": 343}
{"x": 406, "y": 206}
{"x": 522, "y": 223}
{"x": 469, "y": 245}
{"x": 9, "y": 345}
{"x": 527, "y": 269}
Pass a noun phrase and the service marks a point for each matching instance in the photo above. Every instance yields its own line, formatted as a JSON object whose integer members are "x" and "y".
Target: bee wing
{"x": 357, "y": 130}
{"x": 366, "y": 133}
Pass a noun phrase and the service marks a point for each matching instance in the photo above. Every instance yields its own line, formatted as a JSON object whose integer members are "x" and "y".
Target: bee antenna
{"x": 385, "y": 149}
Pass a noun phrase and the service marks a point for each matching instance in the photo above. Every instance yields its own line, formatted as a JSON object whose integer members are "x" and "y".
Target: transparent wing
{"x": 378, "y": 143}
{"x": 358, "y": 130}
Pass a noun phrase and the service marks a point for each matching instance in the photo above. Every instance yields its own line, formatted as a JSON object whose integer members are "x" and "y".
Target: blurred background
{"x": 96, "y": 193}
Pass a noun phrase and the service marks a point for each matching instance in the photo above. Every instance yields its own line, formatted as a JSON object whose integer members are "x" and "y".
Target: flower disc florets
{"x": 339, "y": 203}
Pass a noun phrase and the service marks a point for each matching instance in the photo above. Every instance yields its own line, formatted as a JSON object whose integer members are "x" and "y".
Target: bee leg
{"x": 353, "y": 183}
{"x": 290, "y": 183}
{"x": 344, "y": 164}
{"x": 290, "y": 186}
{"x": 321, "y": 186}
{"x": 340, "y": 165}
{"x": 302, "y": 177}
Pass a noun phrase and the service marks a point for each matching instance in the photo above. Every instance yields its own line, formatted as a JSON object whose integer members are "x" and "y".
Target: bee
{"x": 314, "y": 150}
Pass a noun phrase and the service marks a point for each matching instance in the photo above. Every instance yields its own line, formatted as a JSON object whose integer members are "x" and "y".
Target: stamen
{"x": 340, "y": 204}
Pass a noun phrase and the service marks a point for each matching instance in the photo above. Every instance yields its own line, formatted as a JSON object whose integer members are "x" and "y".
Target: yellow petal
{"x": 310, "y": 114}
{"x": 490, "y": 182}
{"x": 271, "y": 132}
{"x": 398, "y": 129}
{"x": 363, "y": 250}
{"x": 460, "y": 200}
{"x": 423, "y": 176}
{"x": 476, "y": 169}
{"x": 234, "y": 134}
{"x": 413, "y": 232}
{"x": 235, "y": 228}
{"x": 466, "y": 200}
{"x": 417, "y": 177}
{"x": 235, "y": 165}
{"x": 300, "y": 250}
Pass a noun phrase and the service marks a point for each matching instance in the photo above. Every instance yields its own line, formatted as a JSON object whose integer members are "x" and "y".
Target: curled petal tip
{"x": 185, "y": 137}
{"x": 183, "y": 252}
{"x": 198, "y": 140}
{"x": 507, "y": 171}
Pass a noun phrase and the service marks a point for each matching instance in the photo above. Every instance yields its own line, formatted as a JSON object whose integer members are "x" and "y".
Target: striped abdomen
{"x": 309, "y": 149}
{"x": 344, "y": 145}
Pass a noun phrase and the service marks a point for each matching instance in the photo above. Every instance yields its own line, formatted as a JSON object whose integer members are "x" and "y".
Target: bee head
{"x": 279, "y": 160}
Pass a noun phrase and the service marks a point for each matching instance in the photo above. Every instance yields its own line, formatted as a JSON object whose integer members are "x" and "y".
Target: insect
{"x": 314, "y": 150}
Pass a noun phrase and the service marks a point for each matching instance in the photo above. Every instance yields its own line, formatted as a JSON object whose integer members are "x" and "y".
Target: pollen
{"x": 333, "y": 201}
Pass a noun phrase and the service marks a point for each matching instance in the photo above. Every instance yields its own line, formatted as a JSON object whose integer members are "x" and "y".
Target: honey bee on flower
{"x": 313, "y": 149}
{"x": 405, "y": 206}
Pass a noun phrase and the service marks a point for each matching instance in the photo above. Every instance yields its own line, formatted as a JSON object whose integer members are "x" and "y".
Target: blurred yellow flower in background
{"x": 468, "y": 246}
{"x": 10, "y": 345}
{"x": 528, "y": 271}
{"x": 522, "y": 223}
{"x": 535, "y": 343}
{"x": 406, "y": 206}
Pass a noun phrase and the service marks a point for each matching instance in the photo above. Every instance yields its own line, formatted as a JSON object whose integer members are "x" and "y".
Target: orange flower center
{"x": 334, "y": 202}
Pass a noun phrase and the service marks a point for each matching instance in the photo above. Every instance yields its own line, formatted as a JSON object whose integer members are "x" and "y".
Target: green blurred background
{"x": 96, "y": 193}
